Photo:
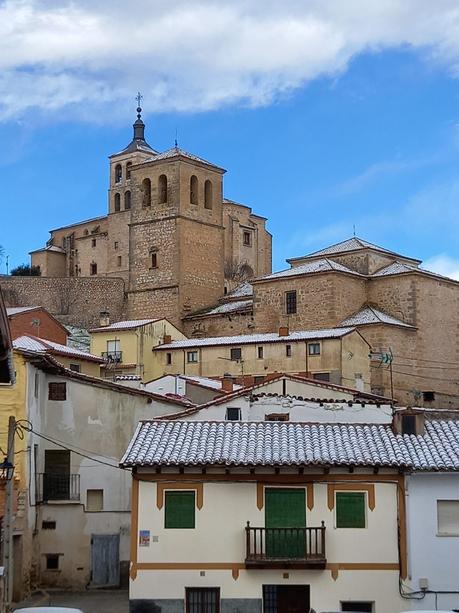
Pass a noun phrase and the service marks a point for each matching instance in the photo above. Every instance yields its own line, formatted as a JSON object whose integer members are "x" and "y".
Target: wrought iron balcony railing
{"x": 113, "y": 357}
{"x": 55, "y": 486}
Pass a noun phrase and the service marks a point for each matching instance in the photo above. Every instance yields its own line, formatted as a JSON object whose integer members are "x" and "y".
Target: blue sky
{"x": 373, "y": 142}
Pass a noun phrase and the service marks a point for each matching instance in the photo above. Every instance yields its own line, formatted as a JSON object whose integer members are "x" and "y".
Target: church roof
{"x": 175, "y": 152}
{"x": 323, "y": 265}
{"x": 370, "y": 315}
{"x": 351, "y": 244}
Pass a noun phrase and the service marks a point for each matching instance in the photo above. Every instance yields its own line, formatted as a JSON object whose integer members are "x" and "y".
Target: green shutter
{"x": 350, "y": 510}
{"x": 285, "y": 508}
{"x": 180, "y": 510}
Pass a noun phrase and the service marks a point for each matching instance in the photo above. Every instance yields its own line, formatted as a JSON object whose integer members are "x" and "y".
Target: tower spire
{"x": 139, "y": 126}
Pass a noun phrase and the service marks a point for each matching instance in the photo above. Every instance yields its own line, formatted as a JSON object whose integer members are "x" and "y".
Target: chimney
{"x": 283, "y": 331}
{"x": 409, "y": 421}
{"x": 167, "y": 339}
{"x": 227, "y": 383}
{"x": 104, "y": 318}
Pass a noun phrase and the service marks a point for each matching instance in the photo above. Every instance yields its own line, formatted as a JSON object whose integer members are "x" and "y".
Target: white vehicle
{"x": 48, "y": 610}
{"x": 431, "y": 611}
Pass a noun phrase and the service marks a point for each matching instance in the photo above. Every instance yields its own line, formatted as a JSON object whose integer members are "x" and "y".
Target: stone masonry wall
{"x": 75, "y": 301}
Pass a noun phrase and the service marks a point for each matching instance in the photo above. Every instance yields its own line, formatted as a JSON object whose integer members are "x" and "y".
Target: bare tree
{"x": 238, "y": 271}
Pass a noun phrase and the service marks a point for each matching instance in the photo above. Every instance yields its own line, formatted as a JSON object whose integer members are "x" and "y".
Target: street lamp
{"x": 6, "y": 470}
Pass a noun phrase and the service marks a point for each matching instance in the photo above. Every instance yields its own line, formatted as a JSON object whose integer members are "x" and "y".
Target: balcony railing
{"x": 285, "y": 547}
{"x": 55, "y": 486}
{"x": 113, "y": 357}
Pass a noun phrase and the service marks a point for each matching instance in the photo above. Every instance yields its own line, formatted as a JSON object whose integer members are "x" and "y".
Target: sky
{"x": 330, "y": 117}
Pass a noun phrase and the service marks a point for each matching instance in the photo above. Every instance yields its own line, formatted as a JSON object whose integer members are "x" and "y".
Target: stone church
{"x": 173, "y": 238}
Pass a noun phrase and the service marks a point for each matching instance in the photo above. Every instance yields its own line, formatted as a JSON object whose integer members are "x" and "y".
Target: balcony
{"x": 54, "y": 486}
{"x": 113, "y": 357}
{"x": 285, "y": 547}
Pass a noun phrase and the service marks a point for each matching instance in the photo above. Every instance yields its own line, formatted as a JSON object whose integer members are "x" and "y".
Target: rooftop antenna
{"x": 354, "y": 229}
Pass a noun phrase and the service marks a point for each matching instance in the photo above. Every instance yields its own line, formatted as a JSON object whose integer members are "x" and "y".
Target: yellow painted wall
{"x": 87, "y": 367}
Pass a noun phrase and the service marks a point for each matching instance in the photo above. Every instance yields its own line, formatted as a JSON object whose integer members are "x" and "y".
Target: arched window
{"x": 208, "y": 197}
{"x": 118, "y": 173}
{"x": 162, "y": 189}
{"x": 146, "y": 189}
{"x": 128, "y": 170}
{"x": 127, "y": 201}
{"x": 194, "y": 190}
{"x": 117, "y": 202}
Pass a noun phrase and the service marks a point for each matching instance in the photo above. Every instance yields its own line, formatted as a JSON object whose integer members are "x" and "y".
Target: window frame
{"x": 232, "y": 354}
{"x": 291, "y": 302}
{"x": 190, "y": 354}
{"x": 260, "y": 352}
{"x": 288, "y": 351}
{"x": 353, "y": 493}
{"x": 311, "y": 345}
{"x": 75, "y": 367}
{"x": 443, "y": 533}
{"x": 168, "y": 358}
{"x": 168, "y": 495}
{"x": 246, "y": 234}
{"x": 228, "y": 409}
{"x": 57, "y": 391}
{"x": 203, "y": 607}
{"x": 153, "y": 260}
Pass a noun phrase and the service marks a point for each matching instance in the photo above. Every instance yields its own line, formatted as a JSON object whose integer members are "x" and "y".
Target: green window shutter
{"x": 180, "y": 510}
{"x": 350, "y": 510}
{"x": 285, "y": 508}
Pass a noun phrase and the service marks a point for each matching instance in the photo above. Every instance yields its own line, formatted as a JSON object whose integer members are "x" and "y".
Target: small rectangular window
{"x": 236, "y": 353}
{"x": 313, "y": 348}
{"x": 191, "y": 357}
{"x": 154, "y": 259}
{"x": 448, "y": 517}
{"x": 260, "y": 353}
{"x": 233, "y": 414}
{"x": 358, "y": 606}
{"x": 57, "y": 391}
{"x": 168, "y": 358}
{"x": 48, "y": 525}
{"x": 408, "y": 424}
{"x": 428, "y": 396}
{"x": 118, "y": 260}
{"x": 202, "y": 599}
{"x": 93, "y": 268}
{"x": 258, "y": 379}
{"x": 277, "y": 417}
{"x": 75, "y": 367}
{"x": 94, "y": 500}
{"x": 350, "y": 509}
{"x": 288, "y": 351}
{"x": 247, "y": 238}
{"x": 52, "y": 561}
{"x": 93, "y": 242}
{"x": 179, "y": 510}
{"x": 321, "y": 376}
{"x": 115, "y": 245}
{"x": 290, "y": 302}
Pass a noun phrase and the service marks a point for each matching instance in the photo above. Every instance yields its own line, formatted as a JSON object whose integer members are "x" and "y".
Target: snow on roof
{"x": 10, "y": 311}
{"x": 50, "y": 248}
{"x": 176, "y": 151}
{"x": 159, "y": 443}
{"x": 351, "y": 244}
{"x": 245, "y": 289}
{"x": 370, "y": 315}
{"x": 323, "y": 265}
{"x": 125, "y": 325}
{"x": 206, "y": 382}
{"x": 229, "y": 307}
{"x": 247, "y": 339}
{"x": 39, "y": 345}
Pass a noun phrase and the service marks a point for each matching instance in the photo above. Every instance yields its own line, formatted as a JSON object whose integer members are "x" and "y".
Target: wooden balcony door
{"x": 285, "y": 508}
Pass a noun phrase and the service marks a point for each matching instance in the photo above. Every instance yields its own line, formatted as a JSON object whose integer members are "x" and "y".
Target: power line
{"x": 409, "y": 374}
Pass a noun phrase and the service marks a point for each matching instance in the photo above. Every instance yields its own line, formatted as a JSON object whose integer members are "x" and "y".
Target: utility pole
{"x": 8, "y": 524}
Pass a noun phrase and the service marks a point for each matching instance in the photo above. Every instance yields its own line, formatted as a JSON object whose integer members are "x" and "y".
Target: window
{"x": 128, "y": 170}
{"x": 350, "y": 509}
{"x": 75, "y": 367}
{"x": 118, "y": 260}
{"x": 277, "y": 417}
{"x": 233, "y": 413}
{"x": 408, "y": 424}
{"x": 168, "y": 358}
{"x": 93, "y": 242}
{"x": 208, "y": 196}
{"x": 288, "y": 351}
{"x": 48, "y": 525}
{"x": 154, "y": 260}
{"x": 321, "y": 376}
{"x": 118, "y": 173}
{"x": 57, "y": 391}
{"x": 247, "y": 238}
{"x": 94, "y": 500}
{"x": 365, "y": 607}
{"x": 260, "y": 353}
{"x": 117, "y": 203}
{"x": 93, "y": 268}
{"x": 428, "y": 396}
{"x": 194, "y": 190}
{"x": 448, "y": 517}
{"x": 162, "y": 189}
{"x": 179, "y": 510}
{"x": 52, "y": 561}
{"x": 116, "y": 245}
{"x": 202, "y": 599}
{"x": 290, "y": 302}
{"x": 314, "y": 348}
{"x": 146, "y": 192}
{"x": 127, "y": 201}
{"x": 191, "y": 356}
{"x": 236, "y": 353}
{"x": 258, "y": 379}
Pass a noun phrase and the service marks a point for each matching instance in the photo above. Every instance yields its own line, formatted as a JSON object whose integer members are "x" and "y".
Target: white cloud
{"x": 200, "y": 54}
{"x": 444, "y": 265}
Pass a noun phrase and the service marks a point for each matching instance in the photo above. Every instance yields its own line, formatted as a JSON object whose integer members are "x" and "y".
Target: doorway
{"x": 105, "y": 560}
{"x": 286, "y": 598}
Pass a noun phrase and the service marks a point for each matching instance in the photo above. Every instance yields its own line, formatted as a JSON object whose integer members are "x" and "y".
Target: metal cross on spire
{"x": 139, "y": 99}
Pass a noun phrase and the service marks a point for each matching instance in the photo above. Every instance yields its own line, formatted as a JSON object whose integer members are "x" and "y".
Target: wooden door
{"x": 285, "y": 508}
{"x": 105, "y": 563}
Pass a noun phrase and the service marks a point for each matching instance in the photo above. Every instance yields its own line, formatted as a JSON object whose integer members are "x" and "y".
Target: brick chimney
{"x": 227, "y": 383}
{"x": 283, "y": 331}
{"x": 104, "y": 318}
{"x": 167, "y": 339}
